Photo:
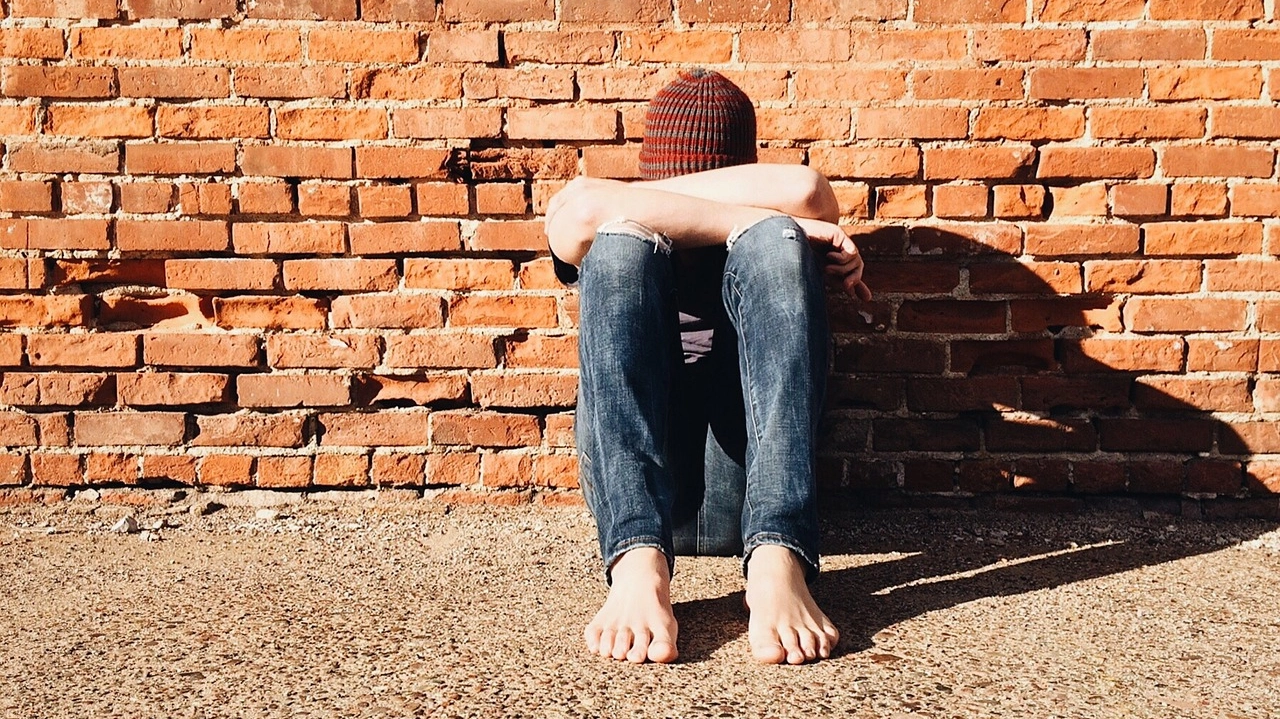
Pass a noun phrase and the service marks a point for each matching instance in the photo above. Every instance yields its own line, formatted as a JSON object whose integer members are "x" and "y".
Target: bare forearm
{"x": 794, "y": 190}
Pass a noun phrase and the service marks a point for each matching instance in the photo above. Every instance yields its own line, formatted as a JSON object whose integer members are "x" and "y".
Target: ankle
{"x": 774, "y": 560}
{"x": 640, "y": 563}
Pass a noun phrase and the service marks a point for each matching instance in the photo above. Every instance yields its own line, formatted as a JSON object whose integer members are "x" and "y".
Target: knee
{"x": 774, "y": 252}
{"x": 619, "y": 255}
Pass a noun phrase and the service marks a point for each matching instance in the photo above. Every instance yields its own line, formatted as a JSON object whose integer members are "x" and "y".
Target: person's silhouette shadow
{"x": 980, "y": 379}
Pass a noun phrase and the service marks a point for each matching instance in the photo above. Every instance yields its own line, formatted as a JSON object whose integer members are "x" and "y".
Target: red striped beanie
{"x": 700, "y": 121}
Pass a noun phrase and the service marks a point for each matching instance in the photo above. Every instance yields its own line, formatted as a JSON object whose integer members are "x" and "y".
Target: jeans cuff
{"x": 808, "y": 556}
{"x": 627, "y": 545}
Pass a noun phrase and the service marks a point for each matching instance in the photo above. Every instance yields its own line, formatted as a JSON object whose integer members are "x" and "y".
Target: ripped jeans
{"x": 766, "y": 389}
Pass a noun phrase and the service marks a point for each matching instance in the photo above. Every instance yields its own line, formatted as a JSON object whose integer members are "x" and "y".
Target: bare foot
{"x": 636, "y": 622}
{"x": 786, "y": 625}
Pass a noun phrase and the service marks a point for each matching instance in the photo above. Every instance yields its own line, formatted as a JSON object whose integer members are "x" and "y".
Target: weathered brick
{"x": 226, "y": 470}
{"x": 874, "y": 46}
{"x": 576, "y": 46}
{"x": 399, "y": 470}
{"x": 901, "y": 201}
{"x": 235, "y": 44}
{"x": 200, "y": 350}
{"x": 423, "y": 389}
{"x": 562, "y": 124}
{"x": 328, "y": 351}
{"x": 175, "y": 82}
{"x": 484, "y": 429}
{"x": 98, "y": 121}
{"x": 283, "y": 472}
{"x": 221, "y": 274}
{"x": 392, "y": 311}
{"x": 703, "y": 46}
{"x": 141, "y": 389}
{"x": 727, "y": 11}
{"x": 331, "y": 124}
{"x": 1142, "y": 123}
{"x": 453, "y": 274}
{"x": 1079, "y": 83}
{"x": 288, "y": 238}
{"x": 1025, "y": 45}
{"x": 180, "y": 158}
{"x": 1088, "y": 162}
{"x": 1066, "y": 240}
{"x": 1218, "y": 161}
{"x": 362, "y": 46}
{"x": 1250, "y": 44}
{"x": 179, "y": 9}
{"x": 472, "y": 122}
{"x": 293, "y": 390}
{"x": 994, "y": 161}
{"x": 921, "y": 123}
{"x": 509, "y": 235}
{"x": 1149, "y": 44}
{"x": 172, "y": 235}
{"x": 402, "y": 162}
{"x": 87, "y": 157}
{"x": 1139, "y": 200}
{"x": 303, "y": 9}
{"x": 1030, "y": 123}
{"x": 356, "y": 275}
{"x": 1255, "y": 199}
{"x": 441, "y": 350}
{"x": 1207, "y": 9}
{"x": 58, "y": 81}
{"x": 524, "y": 389}
{"x": 341, "y": 470}
{"x": 382, "y": 429}
{"x": 1204, "y": 83}
{"x": 290, "y": 82}
{"x": 503, "y": 311}
{"x": 203, "y": 123}
{"x": 1143, "y": 276}
{"x": 129, "y": 428}
{"x": 1192, "y": 393}
{"x": 1176, "y": 315}
{"x": 269, "y": 312}
{"x": 1242, "y": 275}
{"x": 399, "y": 237}
{"x": 250, "y": 429}
{"x": 378, "y": 201}
{"x": 1202, "y": 238}
{"x": 127, "y": 43}
{"x": 97, "y": 349}
{"x": 1089, "y": 10}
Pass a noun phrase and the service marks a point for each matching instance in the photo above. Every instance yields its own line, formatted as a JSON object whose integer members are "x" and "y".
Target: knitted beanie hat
{"x": 701, "y": 121}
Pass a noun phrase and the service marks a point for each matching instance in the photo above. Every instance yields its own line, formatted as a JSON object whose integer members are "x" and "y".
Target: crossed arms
{"x": 704, "y": 208}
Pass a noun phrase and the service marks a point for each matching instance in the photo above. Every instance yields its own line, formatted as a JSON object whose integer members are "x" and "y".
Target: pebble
{"x": 268, "y": 514}
{"x": 126, "y": 525}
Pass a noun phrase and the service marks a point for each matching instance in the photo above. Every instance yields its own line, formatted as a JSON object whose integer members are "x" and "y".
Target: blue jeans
{"x": 748, "y": 417}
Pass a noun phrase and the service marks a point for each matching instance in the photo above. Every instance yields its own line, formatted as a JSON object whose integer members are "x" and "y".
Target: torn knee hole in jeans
{"x": 631, "y": 228}
{"x": 738, "y": 232}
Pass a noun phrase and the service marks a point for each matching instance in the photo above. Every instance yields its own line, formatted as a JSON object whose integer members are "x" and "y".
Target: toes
{"x": 639, "y": 647}
{"x": 605, "y": 646}
{"x": 791, "y": 643}
{"x": 622, "y": 641}
{"x": 591, "y": 636}
{"x": 662, "y": 651}
{"x": 768, "y": 650}
{"x": 809, "y": 644}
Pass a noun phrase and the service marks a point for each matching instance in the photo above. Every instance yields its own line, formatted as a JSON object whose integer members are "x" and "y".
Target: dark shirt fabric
{"x": 698, "y": 273}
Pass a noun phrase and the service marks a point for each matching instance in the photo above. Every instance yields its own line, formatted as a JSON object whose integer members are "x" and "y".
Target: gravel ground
{"x": 364, "y": 609}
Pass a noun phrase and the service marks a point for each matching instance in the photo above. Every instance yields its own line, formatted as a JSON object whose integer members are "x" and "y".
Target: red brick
{"x": 1149, "y": 44}
{"x": 472, "y": 122}
{"x": 453, "y": 468}
{"x": 221, "y": 274}
{"x": 135, "y": 272}
{"x": 226, "y": 470}
{"x": 1195, "y": 394}
{"x": 83, "y": 350}
{"x": 199, "y": 123}
{"x": 1263, "y": 477}
{"x": 281, "y": 45}
{"x": 1087, "y": 162}
{"x": 331, "y": 124}
{"x": 463, "y": 46}
{"x": 1175, "y": 315}
{"x": 288, "y": 238}
{"x": 58, "y": 81}
{"x": 414, "y": 83}
{"x": 269, "y": 312}
{"x": 1024, "y": 278}
{"x": 992, "y": 161}
{"x": 325, "y": 162}
{"x": 392, "y": 311}
{"x": 999, "y": 84}
{"x": 1242, "y": 275}
{"x": 1211, "y": 83}
{"x": 1251, "y": 437}
{"x": 498, "y": 10}
{"x": 318, "y": 198}
{"x": 362, "y": 46}
{"x": 1255, "y": 200}
{"x": 402, "y": 10}
{"x": 283, "y": 472}
{"x": 524, "y": 389}
{"x": 200, "y": 350}
{"x": 399, "y": 470}
{"x": 441, "y": 350}
{"x": 485, "y": 429}
{"x": 55, "y": 470}
{"x": 169, "y": 388}
{"x": 180, "y": 9}
{"x": 111, "y": 467}
{"x": 501, "y": 198}
{"x": 594, "y": 11}
{"x": 562, "y": 124}
{"x": 506, "y": 469}
{"x": 524, "y": 163}
{"x": 127, "y": 43}
{"x": 17, "y": 429}
{"x": 13, "y": 469}
{"x": 1202, "y": 238}
{"x": 61, "y": 389}
{"x": 1139, "y": 200}
{"x": 1024, "y": 45}
{"x": 959, "y": 239}
{"x": 1078, "y": 83}
{"x": 874, "y": 46}
{"x": 329, "y": 351}
{"x": 512, "y": 235}
{"x": 448, "y": 274}
{"x": 1029, "y": 123}
{"x": 293, "y": 390}
{"x": 625, "y": 83}
{"x": 503, "y": 311}
{"x": 1086, "y": 199}
{"x": 175, "y": 82}
{"x": 43, "y": 43}
{"x": 1214, "y": 476}
{"x": 689, "y": 46}
{"x": 912, "y": 122}
{"x": 1222, "y": 355}
{"x": 303, "y": 9}
{"x": 341, "y": 470}
{"x": 901, "y": 201}
{"x": 727, "y": 11}
{"x": 73, "y": 158}
{"x": 378, "y": 201}
{"x": 98, "y": 121}
{"x": 969, "y": 11}
{"x": 163, "y": 311}
{"x": 1140, "y": 123}
{"x": 1206, "y": 9}
{"x": 386, "y": 428}
{"x": 147, "y": 197}
{"x": 10, "y": 350}
{"x": 26, "y": 196}
{"x": 250, "y": 429}
{"x": 290, "y": 83}
{"x": 172, "y": 235}
{"x": 1218, "y": 161}
{"x": 399, "y": 162}
{"x": 1251, "y": 44}
{"x": 534, "y": 350}
{"x": 1143, "y": 276}
{"x": 264, "y": 198}
{"x": 558, "y": 47}
{"x": 180, "y": 158}
{"x": 341, "y": 274}
{"x": 1124, "y": 354}
{"x": 18, "y": 120}
{"x": 1089, "y": 10}
{"x": 1037, "y": 315}
{"x": 1020, "y": 201}
{"x": 28, "y": 311}
{"x": 1056, "y": 239}
{"x": 129, "y": 428}
{"x": 400, "y": 237}
{"x": 1246, "y": 122}
{"x": 850, "y": 85}
{"x": 424, "y": 389}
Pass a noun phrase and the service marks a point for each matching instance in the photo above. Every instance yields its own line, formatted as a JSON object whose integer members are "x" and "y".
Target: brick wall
{"x": 292, "y": 243}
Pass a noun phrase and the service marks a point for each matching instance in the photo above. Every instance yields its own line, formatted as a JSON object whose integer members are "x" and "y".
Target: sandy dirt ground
{"x": 356, "y": 608}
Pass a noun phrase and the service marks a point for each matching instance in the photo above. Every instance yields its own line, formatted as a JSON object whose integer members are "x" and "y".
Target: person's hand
{"x": 843, "y": 262}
